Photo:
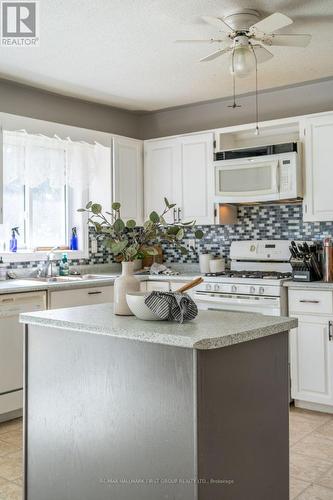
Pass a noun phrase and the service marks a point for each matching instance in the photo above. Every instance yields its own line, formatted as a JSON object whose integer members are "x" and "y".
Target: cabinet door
{"x": 81, "y": 297}
{"x": 197, "y": 179}
{"x": 161, "y": 286}
{"x": 128, "y": 177}
{"x": 318, "y": 151}
{"x": 161, "y": 174}
{"x": 311, "y": 360}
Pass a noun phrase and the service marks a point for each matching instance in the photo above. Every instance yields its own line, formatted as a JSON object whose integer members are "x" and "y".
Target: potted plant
{"x": 127, "y": 242}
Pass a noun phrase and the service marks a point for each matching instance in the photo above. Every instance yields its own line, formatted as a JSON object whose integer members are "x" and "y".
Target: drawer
{"x": 80, "y": 297}
{"x": 310, "y": 301}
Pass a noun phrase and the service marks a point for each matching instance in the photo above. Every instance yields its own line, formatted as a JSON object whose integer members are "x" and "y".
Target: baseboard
{"x": 306, "y": 405}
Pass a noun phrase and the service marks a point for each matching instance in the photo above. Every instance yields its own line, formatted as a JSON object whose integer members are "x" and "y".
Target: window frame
{"x": 33, "y": 126}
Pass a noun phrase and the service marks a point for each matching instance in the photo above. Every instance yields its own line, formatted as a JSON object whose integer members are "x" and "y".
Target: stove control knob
{"x": 216, "y": 288}
{"x": 208, "y": 287}
{"x": 261, "y": 290}
{"x": 234, "y": 288}
{"x": 252, "y": 289}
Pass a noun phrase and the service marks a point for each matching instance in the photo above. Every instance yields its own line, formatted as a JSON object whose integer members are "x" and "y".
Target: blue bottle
{"x": 74, "y": 244}
{"x": 13, "y": 240}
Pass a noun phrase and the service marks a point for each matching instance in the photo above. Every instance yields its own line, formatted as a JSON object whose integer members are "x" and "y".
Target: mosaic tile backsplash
{"x": 254, "y": 222}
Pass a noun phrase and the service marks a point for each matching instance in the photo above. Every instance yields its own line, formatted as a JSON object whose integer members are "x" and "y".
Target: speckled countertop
{"x": 310, "y": 285}
{"x": 210, "y": 330}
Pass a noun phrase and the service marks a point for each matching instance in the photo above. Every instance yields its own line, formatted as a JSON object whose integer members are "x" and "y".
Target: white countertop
{"x": 309, "y": 285}
{"x": 210, "y": 330}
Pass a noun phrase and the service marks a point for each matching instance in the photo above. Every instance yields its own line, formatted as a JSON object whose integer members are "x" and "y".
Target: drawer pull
{"x": 330, "y": 331}
{"x": 310, "y": 301}
{"x": 94, "y": 293}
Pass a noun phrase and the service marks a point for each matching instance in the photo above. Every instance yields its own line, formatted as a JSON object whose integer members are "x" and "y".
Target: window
{"x": 45, "y": 182}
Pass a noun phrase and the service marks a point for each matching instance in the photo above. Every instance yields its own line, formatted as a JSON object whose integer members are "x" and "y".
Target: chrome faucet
{"x": 47, "y": 268}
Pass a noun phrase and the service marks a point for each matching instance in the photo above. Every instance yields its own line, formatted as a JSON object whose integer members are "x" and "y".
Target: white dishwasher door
{"x": 11, "y": 345}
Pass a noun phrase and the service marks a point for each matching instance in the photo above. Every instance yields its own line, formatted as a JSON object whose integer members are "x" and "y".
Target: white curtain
{"x": 34, "y": 159}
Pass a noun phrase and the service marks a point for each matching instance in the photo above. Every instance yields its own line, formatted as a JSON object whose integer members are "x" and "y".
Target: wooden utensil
{"x": 190, "y": 285}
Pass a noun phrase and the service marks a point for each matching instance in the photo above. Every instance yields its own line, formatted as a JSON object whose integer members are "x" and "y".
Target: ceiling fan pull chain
{"x": 234, "y": 105}
{"x": 257, "y": 132}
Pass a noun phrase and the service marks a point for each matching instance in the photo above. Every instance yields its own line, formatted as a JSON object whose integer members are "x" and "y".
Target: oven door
{"x": 248, "y": 181}
{"x": 269, "y": 306}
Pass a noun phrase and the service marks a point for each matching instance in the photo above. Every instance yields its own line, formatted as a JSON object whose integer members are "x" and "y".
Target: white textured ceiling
{"x": 121, "y": 52}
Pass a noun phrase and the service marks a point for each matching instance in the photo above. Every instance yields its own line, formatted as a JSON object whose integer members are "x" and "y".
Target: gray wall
{"x": 23, "y": 100}
{"x": 280, "y": 103}
{"x": 289, "y": 101}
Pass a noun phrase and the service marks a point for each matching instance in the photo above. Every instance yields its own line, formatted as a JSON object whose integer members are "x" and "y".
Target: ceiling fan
{"x": 243, "y": 34}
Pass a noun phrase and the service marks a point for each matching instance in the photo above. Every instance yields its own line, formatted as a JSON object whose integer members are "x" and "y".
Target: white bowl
{"x": 136, "y": 303}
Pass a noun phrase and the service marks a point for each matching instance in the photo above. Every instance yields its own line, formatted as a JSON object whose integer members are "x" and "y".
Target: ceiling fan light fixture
{"x": 243, "y": 61}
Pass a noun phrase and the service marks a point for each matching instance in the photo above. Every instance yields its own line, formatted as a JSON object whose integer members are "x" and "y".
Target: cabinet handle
{"x": 179, "y": 214}
{"x": 330, "y": 331}
{"x": 94, "y": 293}
{"x": 310, "y": 301}
{"x": 174, "y": 215}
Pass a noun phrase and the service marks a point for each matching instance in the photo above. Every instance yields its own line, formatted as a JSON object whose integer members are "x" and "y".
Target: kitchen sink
{"x": 69, "y": 279}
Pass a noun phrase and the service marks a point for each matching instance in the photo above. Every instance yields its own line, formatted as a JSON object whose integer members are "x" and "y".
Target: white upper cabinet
{"x": 197, "y": 178}
{"x": 180, "y": 169}
{"x": 161, "y": 174}
{"x": 318, "y": 154}
{"x": 128, "y": 177}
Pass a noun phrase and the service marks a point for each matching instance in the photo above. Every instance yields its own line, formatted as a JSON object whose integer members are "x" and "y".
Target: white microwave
{"x": 274, "y": 177}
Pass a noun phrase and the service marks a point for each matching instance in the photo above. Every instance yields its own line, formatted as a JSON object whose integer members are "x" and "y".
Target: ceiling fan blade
{"x": 217, "y": 21}
{"x": 215, "y": 54}
{"x": 262, "y": 54}
{"x": 271, "y": 23}
{"x": 211, "y": 40}
{"x": 292, "y": 40}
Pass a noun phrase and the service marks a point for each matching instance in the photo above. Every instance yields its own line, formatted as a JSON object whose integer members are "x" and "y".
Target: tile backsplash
{"x": 254, "y": 222}
{"x": 257, "y": 222}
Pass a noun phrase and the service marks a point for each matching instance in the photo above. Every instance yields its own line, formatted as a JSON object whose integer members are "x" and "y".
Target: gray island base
{"x": 120, "y": 409}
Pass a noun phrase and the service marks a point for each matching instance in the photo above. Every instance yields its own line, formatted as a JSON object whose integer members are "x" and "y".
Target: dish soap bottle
{"x": 64, "y": 266}
{"x": 13, "y": 240}
{"x": 3, "y": 270}
{"x": 74, "y": 241}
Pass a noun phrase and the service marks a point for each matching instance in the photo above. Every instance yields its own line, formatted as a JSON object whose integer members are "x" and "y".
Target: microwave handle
{"x": 277, "y": 176}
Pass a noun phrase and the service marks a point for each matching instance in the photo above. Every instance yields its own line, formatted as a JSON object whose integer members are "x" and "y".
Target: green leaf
{"x": 148, "y": 224}
{"x": 183, "y": 250}
{"x": 190, "y": 223}
{"x": 151, "y": 251}
{"x": 117, "y": 248}
{"x": 116, "y": 205}
{"x": 131, "y": 224}
{"x": 180, "y": 234}
{"x": 88, "y": 205}
{"x": 96, "y": 208}
{"x": 166, "y": 202}
{"x": 172, "y": 205}
{"x": 81, "y": 210}
{"x": 154, "y": 217}
{"x": 119, "y": 225}
{"x": 198, "y": 234}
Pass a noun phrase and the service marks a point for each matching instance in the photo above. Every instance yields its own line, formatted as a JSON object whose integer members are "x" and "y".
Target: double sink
{"x": 69, "y": 279}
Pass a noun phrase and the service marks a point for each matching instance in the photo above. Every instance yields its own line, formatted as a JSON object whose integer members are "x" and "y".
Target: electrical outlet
{"x": 93, "y": 245}
{"x": 190, "y": 244}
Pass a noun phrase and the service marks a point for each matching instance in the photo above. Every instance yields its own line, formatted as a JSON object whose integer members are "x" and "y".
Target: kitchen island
{"x": 117, "y": 408}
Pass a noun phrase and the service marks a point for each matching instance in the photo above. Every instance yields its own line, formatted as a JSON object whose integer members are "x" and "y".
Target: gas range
{"x": 255, "y": 281}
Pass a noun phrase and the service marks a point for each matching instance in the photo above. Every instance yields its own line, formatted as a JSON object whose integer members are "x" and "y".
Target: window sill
{"x": 26, "y": 256}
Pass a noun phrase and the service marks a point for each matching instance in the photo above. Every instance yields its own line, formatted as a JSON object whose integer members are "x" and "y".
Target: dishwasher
{"x": 11, "y": 348}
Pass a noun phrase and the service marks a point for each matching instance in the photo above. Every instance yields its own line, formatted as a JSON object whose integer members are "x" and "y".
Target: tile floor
{"x": 311, "y": 457}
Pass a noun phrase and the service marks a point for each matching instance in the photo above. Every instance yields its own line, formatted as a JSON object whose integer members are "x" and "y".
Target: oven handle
{"x": 218, "y": 299}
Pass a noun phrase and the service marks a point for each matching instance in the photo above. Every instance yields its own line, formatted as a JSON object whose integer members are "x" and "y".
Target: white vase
{"x": 122, "y": 285}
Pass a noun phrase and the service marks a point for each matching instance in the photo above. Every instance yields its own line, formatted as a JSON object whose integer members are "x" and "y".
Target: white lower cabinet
{"x": 311, "y": 349}
{"x": 161, "y": 286}
{"x": 80, "y": 297}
